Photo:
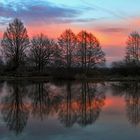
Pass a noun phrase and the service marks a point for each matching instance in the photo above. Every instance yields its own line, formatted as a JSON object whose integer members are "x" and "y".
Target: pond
{"x": 66, "y": 110}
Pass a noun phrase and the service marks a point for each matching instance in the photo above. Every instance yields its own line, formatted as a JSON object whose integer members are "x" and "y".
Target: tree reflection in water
{"x": 72, "y": 103}
{"x": 90, "y": 104}
{"x": 67, "y": 110}
{"x": 131, "y": 91}
{"x": 15, "y": 112}
{"x": 40, "y": 100}
{"x": 82, "y": 107}
{"x": 45, "y": 102}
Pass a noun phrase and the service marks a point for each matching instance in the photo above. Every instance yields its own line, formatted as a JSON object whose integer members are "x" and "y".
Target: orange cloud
{"x": 52, "y": 31}
{"x": 113, "y": 39}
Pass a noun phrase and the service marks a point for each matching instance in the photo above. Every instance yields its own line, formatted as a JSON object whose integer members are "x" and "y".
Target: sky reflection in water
{"x": 69, "y": 110}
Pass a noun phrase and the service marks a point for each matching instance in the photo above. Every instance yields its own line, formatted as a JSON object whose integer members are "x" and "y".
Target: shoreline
{"x": 49, "y": 78}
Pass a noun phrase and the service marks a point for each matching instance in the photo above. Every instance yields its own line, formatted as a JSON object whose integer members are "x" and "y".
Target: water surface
{"x": 69, "y": 110}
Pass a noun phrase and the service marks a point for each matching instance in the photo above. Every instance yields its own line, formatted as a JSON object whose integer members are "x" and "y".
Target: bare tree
{"x": 82, "y": 38}
{"x": 133, "y": 48}
{"x": 67, "y": 41}
{"x": 89, "y": 52}
{"x": 58, "y": 60}
{"x": 15, "y": 41}
{"x": 42, "y": 51}
{"x": 95, "y": 55}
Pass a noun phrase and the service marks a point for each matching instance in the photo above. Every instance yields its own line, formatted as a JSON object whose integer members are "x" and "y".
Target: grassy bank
{"x": 49, "y": 78}
{"x": 102, "y": 74}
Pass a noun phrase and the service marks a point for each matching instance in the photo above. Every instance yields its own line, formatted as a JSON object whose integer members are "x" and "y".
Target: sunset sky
{"x": 110, "y": 20}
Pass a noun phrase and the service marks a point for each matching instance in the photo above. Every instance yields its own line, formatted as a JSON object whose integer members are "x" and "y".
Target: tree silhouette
{"x": 82, "y": 45}
{"x": 90, "y": 52}
{"x": 57, "y": 57}
{"x": 15, "y": 41}
{"x": 67, "y": 42}
{"x": 41, "y": 52}
{"x": 133, "y": 48}
{"x": 15, "y": 112}
{"x": 95, "y": 55}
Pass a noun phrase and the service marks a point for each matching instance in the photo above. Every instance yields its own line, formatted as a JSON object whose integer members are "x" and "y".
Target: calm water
{"x": 69, "y": 111}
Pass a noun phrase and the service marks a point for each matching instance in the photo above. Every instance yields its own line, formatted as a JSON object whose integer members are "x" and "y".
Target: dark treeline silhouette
{"x": 131, "y": 63}
{"x": 82, "y": 52}
{"x": 69, "y": 56}
{"x": 41, "y": 100}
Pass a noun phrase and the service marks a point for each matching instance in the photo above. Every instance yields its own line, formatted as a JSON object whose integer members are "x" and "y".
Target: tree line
{"x": 130, "y": 65}
{"x": 132, "y": 52}
{"x": 69, "y": 50}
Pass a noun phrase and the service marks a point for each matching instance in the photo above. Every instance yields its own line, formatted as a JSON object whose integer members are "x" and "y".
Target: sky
{"x": 111, "y": 21}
